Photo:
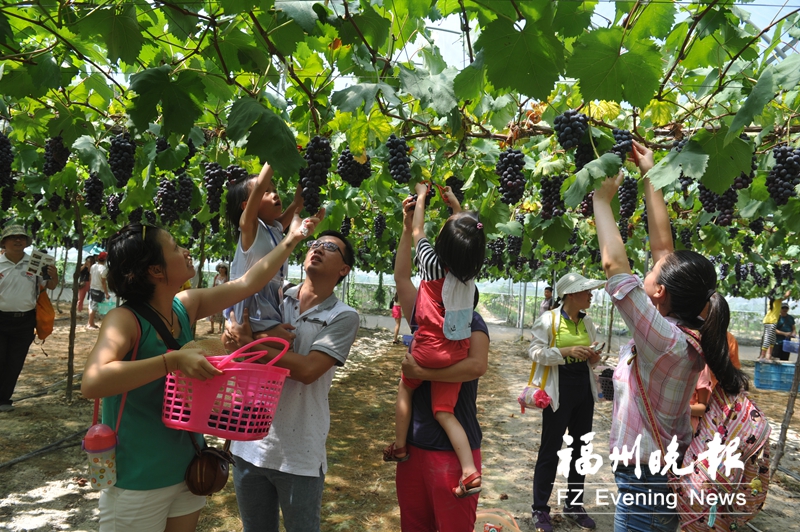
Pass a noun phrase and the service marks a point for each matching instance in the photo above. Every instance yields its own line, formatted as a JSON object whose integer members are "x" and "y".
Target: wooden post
{"x": 610, "y": 328}
{"x": 522, "y": 313}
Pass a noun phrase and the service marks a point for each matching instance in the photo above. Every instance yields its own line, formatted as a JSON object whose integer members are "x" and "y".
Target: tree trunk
{"x": 787, "y": 418}
{"x": 63, "y": 281}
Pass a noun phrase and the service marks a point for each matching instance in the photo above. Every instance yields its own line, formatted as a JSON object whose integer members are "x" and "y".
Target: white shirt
{"x": 97, "y": 272}
{"x": 17, "y": 288}
{"x": 296, "y": 440}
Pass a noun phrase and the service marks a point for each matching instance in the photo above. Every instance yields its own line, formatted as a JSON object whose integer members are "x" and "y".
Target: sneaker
{"x": 541, "y": 520}
{"x": 579, "y": 516}
{"x": 6, "y": 408}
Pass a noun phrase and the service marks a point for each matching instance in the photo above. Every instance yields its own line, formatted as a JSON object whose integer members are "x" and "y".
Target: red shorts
{"x": 397, "y": 312}
{"x": 425, "y": 485}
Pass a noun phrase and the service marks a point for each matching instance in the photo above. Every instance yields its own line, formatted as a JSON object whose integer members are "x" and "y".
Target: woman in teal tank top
{"x": 147, "y": 266}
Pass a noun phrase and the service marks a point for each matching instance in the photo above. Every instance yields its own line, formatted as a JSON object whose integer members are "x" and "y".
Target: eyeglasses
{"x": 327, "y": 246}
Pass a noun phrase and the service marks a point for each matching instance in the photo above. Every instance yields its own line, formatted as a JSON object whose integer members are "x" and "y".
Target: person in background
{"x": 784, "y": 330}
{"x": 397, "y": 314}
{"x": 564, "y": 341}
{"x": 18, "y": 293}
{"x": 770, "y": 322}
{"x": 548, "y": 303}
{"x": 98, "y": 287}
{"x": 84, "y": 277}
{"x": 220, "y": 278}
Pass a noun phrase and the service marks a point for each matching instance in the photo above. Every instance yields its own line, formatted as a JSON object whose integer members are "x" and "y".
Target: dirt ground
{"x": 50, "y": 492}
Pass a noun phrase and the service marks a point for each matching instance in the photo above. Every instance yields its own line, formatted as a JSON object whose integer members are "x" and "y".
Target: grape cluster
{"x": 166, "y": 198}
{"x": 583, "y": 155}
{"x": 122, "y": 158}
{"x": 741, "y": 271}
{"x": 725, "y": 205}
{"x": 112, "y": 206}
{"x": 723, "y": 270}
{"x": 497, "y": 248}
{"x": 745, "y": 179}
{"x": 363, "y": 256}
{"x": 214, "y": 224}
{"x": 214, "y": 178}
{"x": 346, "y": 226}
{"x": 552, "y": 202}
{"x": 624, "y": 229}
{"x": 196, "y": 228}
{"x": 191, "y": 153}
{"x": 455, "y": 185}
{"x": 627, "y": 197}
{"x": 161, "y": 144}
{"x": 55, "y": 156}
{"x": 150, "y": 216}
{"x": 315, "y": 174}
{"x": 135, "y": 216}
{"x": 570, "y": 128}
{"x": 184, "y": 199}
{"x": 586, "y": 208}
{"x": 236, "y": 173}
{"x": 623, "y": 143}
{"x": 534, "y": 264}
{"x": 514, "y": 245}
{"x": 6, "y": 181}
{"x": 785, "y": 175}
{"x": 379, "y": 226}
{"x": 757, "y": 226}
{"x": 351, "y": 171}
{"x": 53, "y": 202}
{"x": 93, "y": 193}
{"x": 512, "y": 180}
{"x": 399, "y": 161}
{"x": 686, "y": 238}
{"x": 747, "y": 244}
{"x": 708, "y": 199}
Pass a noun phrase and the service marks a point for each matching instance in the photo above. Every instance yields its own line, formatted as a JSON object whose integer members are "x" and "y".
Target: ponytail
{"x": 691, "y": 282}
{"x": 714, "y": 340}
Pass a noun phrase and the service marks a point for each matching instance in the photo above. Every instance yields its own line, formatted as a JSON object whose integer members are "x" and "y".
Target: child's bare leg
{"x": 396, "y": 330}
{"x": 459, "y": 441}
{"x": 402, "y": 417}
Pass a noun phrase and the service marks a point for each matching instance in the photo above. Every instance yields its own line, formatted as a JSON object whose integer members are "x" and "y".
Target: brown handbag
{"x": 208, "y": 471}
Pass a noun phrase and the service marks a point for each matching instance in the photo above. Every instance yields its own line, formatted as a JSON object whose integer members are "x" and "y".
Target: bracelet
{"x": 164, "y": 358}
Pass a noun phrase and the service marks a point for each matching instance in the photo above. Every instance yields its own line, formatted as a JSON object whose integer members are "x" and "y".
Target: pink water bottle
{"x": 100, "y": 443}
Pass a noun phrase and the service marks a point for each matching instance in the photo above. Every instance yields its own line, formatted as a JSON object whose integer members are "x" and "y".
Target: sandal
{"x": 468, "y": 486}
{"x": 391, "y": 452}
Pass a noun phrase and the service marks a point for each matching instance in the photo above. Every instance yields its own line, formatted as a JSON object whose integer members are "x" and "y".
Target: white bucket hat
{"x": 573, "y": 283}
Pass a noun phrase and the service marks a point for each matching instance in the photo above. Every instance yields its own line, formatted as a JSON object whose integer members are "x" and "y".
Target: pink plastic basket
{"x": 237, "y": 405}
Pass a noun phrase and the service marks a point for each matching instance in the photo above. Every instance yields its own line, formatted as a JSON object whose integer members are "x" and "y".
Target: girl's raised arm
{"x": 658, "y": 227}
{"x": 248, "y": 223}
{"x": 615, "y": 258}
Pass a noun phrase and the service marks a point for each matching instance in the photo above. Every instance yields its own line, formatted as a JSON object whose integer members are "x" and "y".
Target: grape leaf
{"x": 469, "y": 83}
{"x": 692, "y": 161}
{"x": 528, "y": 61}
{"x": 609, "y": 72}
{"x": 655, "y": 20}
{"x": 373, "y": 26}
{"x": 433, "y": 90}
{"x": 301, "y": 12}
{"x": 124, "y": 38}
{"x": 362, "y": 96}
{"x": 787, "y": 72}
{"x": 725, "y": 162}
{"x": 761, "y": 94}
{"x": 179, "y": 108}
{"x": 556, "y": 233}
{"x": 572, "y": 18}
{"x": 95, "y": 158}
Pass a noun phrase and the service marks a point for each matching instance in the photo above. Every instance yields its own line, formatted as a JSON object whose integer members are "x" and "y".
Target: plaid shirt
{"x": 669, "y": 367}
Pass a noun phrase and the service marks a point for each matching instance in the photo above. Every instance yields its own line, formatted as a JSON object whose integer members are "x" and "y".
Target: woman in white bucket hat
{"x": 564, "y": 341}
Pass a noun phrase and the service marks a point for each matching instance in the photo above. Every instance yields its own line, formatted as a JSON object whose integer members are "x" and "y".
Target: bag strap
{"x": 125, "y": 394}
{"x": 145, "y": 311}
{"x": 546, "y": 371}
{"x": 647, "y": 408}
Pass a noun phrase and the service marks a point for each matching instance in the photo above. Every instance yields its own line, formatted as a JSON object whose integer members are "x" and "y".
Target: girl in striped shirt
{"x": 443, "y": 311}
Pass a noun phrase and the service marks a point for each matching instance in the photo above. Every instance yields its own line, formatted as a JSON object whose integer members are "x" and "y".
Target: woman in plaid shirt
{"x": 673, "y": 295}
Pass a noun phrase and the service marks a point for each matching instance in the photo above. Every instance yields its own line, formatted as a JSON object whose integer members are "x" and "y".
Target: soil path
{"x": 49, "y": 492}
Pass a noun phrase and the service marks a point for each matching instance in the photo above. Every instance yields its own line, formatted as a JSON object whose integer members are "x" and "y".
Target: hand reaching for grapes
{"x": 643, "y": 157}
{"x": 451, "y": 200}
{"x": 300, "y": 229}
{"x": 409, "y": 204}
{"x": 608, "y": 189}
{"x": 421, "y": 189}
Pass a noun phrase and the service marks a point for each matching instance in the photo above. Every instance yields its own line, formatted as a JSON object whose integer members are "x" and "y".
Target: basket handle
{"x": 258, "y": 354}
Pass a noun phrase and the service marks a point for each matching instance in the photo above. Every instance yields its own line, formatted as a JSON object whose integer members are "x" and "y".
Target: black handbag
{"x": 97, "y": 295}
